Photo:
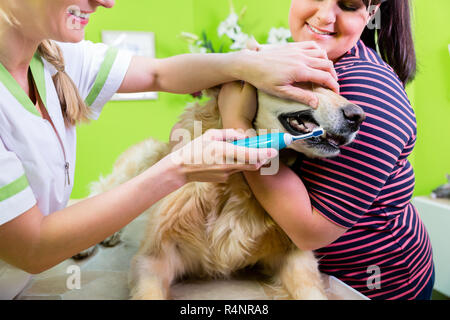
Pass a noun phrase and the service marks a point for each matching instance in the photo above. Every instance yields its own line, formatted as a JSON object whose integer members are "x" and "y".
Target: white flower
{"x": 194, "y": 42}
{"x": 189, "y": 37}
{"x": 240, "y": 41}
{"x": 230, "y": 26}
{"x": 278, "y": 35}
{"x": 194, "y": 48}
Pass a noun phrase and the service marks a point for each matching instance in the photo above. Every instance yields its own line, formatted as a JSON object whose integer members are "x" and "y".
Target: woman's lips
{"x": 79, "y": 17}
{"x": 319, "y": 32}
{"x": 75, "y": 19}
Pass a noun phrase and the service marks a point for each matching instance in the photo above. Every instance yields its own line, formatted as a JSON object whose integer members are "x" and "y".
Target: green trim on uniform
{"x": 37, "y": 70}
{"x": 102, "y": 75}
{"x": 16, "y": 90}
{"x": 13, "y": 188}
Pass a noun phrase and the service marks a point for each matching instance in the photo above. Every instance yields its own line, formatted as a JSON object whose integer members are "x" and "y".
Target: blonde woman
{"x": 51, "y": 80}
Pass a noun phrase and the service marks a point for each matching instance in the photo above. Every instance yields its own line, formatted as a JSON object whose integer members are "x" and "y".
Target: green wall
{"x": 125, "y": 123}
{"x": 431, "y": 99}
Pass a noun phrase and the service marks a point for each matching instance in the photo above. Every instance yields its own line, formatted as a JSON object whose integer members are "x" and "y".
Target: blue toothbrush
{"x": 276, "y": 140}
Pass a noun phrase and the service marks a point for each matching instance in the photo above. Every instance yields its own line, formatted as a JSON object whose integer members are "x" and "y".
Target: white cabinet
{"x": 435, "y": 214}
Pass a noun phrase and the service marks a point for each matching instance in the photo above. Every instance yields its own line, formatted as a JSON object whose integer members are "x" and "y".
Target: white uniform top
{"x": 36, "y": 164}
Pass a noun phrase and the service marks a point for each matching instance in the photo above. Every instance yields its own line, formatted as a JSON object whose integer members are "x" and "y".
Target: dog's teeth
{"x": 294, "y": 123}
{"x": 299, "y": 126}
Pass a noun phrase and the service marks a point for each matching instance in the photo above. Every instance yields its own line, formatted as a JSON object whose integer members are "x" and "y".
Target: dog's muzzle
{"x": 354, "y": 116}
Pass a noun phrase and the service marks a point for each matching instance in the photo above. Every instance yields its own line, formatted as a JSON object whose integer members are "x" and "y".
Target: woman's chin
{"x": 72, "y": 36}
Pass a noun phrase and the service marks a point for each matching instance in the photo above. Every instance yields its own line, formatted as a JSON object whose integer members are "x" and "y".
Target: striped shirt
{"x": 386, "y": 252}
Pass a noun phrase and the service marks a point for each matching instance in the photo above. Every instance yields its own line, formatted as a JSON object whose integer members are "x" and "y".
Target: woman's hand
{"x": 210, "y": 158}
{"x": 237, "y": 105}
{"x": 276, "y": 68}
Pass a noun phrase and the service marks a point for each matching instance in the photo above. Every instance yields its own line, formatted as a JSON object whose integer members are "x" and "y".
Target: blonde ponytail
{"x": 73, "y": 106}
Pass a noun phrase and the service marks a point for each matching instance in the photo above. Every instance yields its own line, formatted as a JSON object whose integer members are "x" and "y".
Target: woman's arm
{"x": 286, "y": 199}
{"x": 273, "y": 69}
{"x": 34, "y": 242}
{"x": 282, "y": 195}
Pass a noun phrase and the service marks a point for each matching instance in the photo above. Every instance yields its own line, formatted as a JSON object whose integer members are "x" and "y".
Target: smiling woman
{"x": 335, "y": 27}
{"x": 354, "y": 209}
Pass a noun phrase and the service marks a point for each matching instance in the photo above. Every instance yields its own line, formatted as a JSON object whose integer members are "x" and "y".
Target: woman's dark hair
{"x": 394, "y": 37}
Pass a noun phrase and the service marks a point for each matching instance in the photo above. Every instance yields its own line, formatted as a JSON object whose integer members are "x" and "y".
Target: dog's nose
{"x": 354, "y": 115}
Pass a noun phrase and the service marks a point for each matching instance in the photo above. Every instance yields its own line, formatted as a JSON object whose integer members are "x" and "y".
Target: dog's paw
{"x": 152, "y": 294}
{"x": 85, "y": 253}
{"x": 112, "y": 240}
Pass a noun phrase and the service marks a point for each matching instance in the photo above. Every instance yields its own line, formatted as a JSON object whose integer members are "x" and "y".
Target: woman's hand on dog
{"x": 211, "y": 158}
{"x": 237, "y": 105}
{"x": 276, "y": 68}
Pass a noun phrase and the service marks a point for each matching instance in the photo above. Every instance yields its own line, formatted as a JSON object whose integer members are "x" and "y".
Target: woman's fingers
{"x": 324, "y": 65}
{"x": 220, "y": 148}
{"x": 294, "y": 62}
{"x": 242, "y": 155}
{"x": 302, "y": 45}
{"x": 301, "y": 95}
{"x": 220, "y": 173}
{"x": 230, "y": 154}
{"x": 316, "y": 53}
{"x": 323, "y": 78}
{"x": 212, "y": 157}
{"x": 224, "y": 134}
{"x": 307, "y": 48}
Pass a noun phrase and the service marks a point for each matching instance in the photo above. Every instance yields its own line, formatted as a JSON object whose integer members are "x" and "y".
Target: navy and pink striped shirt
{"x": 386, "y": 252}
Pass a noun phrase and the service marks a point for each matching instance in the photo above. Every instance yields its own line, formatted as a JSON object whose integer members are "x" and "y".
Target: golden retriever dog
{"x": 215, "y": 229}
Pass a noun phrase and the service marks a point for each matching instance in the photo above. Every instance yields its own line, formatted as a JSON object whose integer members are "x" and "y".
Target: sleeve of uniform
{"x": 16, "y": 195}
{"x": 97, "y": 69}
{"x": 344, "y": 188}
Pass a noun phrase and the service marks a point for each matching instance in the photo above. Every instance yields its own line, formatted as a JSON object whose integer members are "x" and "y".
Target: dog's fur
{"x": 215, "y": 229}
